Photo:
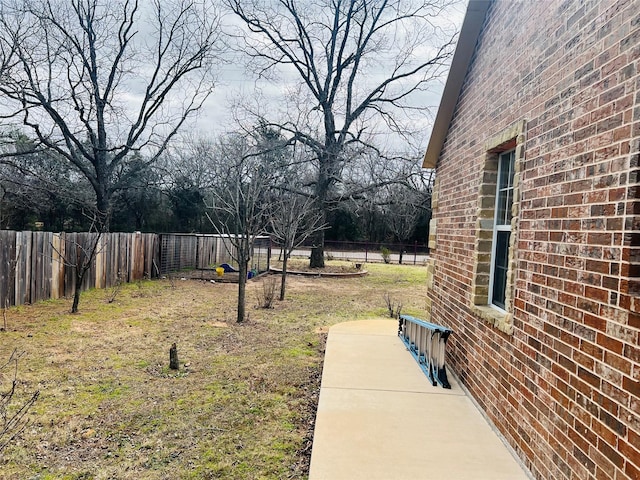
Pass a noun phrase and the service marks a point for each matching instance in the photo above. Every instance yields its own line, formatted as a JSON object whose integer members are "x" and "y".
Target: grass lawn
{"x": 241, "y": 406}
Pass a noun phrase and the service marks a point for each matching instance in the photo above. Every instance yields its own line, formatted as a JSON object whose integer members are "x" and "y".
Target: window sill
{"x": 500, "y": 319}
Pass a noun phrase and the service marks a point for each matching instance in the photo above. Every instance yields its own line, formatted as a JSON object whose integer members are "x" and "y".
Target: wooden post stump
{"x": 173, "y": 357}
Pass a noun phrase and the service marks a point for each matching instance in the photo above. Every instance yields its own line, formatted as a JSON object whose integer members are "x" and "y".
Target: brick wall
{"x": 564, "y": 386}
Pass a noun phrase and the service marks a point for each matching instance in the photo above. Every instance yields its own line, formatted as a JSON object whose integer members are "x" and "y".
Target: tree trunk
{"x": 242, "y": 289}
{"x": 103, "y": 209}
{"x": 283, "y": 278}
{"x": 317, "y": 251}
{"x": 81, "y": 269}
{"x": 76, "y": 299}
{"x": 401, "y": 253}
{"x": 323, "y": 185}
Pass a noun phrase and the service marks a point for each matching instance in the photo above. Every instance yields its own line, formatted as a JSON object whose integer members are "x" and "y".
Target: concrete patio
{"x": 379, "y": 417}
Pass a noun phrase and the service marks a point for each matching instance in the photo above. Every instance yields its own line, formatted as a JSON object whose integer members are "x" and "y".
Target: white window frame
{"x": 499, "y": 225}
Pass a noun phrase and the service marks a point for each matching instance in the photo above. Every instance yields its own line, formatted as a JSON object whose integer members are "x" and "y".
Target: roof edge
{"x": 471, "y": 26}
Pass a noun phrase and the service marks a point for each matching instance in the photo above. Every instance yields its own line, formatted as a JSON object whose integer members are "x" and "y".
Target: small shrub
{"x": 112, "y": 293}
{"x": 386, "y": 254}
{"x": 393, "y": 308}
{"x": 267, "y": 294}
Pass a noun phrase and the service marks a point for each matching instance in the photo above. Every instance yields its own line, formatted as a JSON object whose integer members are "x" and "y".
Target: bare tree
{"x": 404, "y": 204}
{"x": 96, "y": 82}
{"x": 239, "y": 203}
{"x": 292, "y": 219}
{"x": 356, "y": 71}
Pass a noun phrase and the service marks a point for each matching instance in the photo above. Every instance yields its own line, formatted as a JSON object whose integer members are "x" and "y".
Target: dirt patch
{"x": 301, "y": 265}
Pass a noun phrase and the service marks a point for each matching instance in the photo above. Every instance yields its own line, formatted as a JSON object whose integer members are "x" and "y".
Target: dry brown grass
{"x": 240, "y": 407}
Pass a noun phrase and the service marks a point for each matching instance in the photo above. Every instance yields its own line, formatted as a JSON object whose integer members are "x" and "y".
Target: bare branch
{"x": 13, "y": 411}
{"x": 98, "y": 83}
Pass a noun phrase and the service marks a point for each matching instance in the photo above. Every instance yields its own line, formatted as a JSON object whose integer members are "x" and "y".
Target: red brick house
{"x": 535, "y": 236}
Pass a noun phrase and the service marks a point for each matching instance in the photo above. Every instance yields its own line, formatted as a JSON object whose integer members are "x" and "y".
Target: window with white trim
{"x": 502, "y": 229}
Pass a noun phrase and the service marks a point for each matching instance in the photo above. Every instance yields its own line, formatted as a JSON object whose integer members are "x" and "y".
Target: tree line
{"x": 173, "y": 194}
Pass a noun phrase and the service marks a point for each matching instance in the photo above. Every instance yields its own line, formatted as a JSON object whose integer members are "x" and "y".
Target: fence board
{"x": 36, "y": 277}
{"x": 12, "y": 263}
{"x": 148, "y": 254}
{"x": 69, "y": 259}
{"x": 89, "y": 242}
{"x": 5, "y": 266}
{"x": 111, "y": 248}
{"x": 20, "y": 268}
{"x": 28, "y": 251}
{"x": 100, "y": 274}
{"x": 4, "y": 295}
{"x": 47, "y": 257}
{"x": 123, "y": 259}
{"x": 57, "y": 287}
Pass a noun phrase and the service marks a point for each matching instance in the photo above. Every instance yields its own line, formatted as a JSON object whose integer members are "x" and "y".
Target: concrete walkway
{"x": 380, "y": 418}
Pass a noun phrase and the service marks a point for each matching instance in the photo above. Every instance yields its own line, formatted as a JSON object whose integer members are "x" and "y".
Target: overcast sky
{"x": 235, "y": 83}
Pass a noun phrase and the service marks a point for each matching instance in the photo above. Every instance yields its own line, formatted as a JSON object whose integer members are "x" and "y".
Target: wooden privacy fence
{"x": 37, "y": 266}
